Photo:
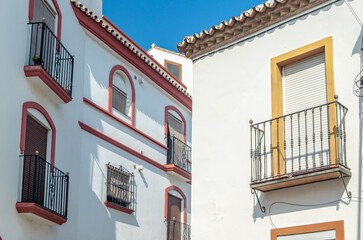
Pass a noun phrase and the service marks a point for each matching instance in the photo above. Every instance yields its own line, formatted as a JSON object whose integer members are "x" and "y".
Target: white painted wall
{"x": 237, "y": 83}
{"x": 78, "y": 152}
{"x": 187, "y": 65}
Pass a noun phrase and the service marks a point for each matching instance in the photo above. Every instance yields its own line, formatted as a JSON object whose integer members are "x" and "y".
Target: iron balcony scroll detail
{"x": 300, "y": 142}
{"x": 47, "y": 51}
{"x": 45, "y": 185}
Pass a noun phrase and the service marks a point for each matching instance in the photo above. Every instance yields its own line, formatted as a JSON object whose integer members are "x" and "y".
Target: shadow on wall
{"x": 301, "y": 198}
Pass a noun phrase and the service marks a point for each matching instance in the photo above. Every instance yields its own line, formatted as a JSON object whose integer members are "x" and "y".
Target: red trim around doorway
{"x": 166, "y": 201}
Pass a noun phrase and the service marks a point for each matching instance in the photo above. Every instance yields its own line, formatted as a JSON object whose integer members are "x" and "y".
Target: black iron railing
{"x": 120, "y": 187}
{"x": 177, "y": 230}
{"x": 179, "y": 154}
{"x": 47, "y": 51}
{"x": 45, "y": 185}
{"x": 304, "y": 141}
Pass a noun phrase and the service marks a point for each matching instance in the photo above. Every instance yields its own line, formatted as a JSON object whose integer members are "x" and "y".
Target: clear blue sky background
{"x": 167, "y": 22}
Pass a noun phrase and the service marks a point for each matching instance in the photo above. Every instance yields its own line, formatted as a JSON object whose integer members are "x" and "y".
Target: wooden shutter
{"x": 304, "y": 87}
{"x": 34, "y": 167}
{"x": 119, "y": 99}
{"x": 35, "y": 138}
{"x": 174, "y": 213}
{"x": 175, "y": 127}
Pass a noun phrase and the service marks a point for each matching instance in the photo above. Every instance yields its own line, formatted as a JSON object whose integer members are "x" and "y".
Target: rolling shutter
{"x": 304, "y": 84}
{"x": 175, "y": 127}
{"x": 304, "y": 87}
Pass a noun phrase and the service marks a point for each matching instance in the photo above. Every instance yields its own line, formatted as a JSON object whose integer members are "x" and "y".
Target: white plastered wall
{"x": 233, "y": 86}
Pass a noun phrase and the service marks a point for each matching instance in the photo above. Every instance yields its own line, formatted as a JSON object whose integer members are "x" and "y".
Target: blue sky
{"x": 166, "y": 22}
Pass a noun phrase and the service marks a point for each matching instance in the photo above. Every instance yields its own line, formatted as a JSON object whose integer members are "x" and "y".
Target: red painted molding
{"x": 25, "y": 207}
{"x": 166, "y": 201}
{"x": 167, "y": 108}
{"x": 178, "y": 170}
{"x": 40, "y": 109}
{"x": 118, "y": 208}
{"x": 59, "y": 24}
{"x": 110, "y": 86}
{"x": 120, "y": 145}
{"x": 106, "y": 37}
{"x": 165, "y": 168}
{"x": 97, "y": 107}
{"x": 142, "y": 50}
{"x": 38, "y": 71}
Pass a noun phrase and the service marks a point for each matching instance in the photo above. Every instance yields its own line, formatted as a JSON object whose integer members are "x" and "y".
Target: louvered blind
{"x": 41, "y": 10}
{"x": 304, "y": 84}
{"x": 119, "y": 99}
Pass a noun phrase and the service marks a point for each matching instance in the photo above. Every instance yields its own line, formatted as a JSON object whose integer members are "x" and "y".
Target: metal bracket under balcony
{"x": 50, "y": 65}
{"x": 299, "y": 148}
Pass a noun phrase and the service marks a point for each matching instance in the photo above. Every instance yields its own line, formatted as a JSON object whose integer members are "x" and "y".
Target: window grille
{"x": 120, "y": 187}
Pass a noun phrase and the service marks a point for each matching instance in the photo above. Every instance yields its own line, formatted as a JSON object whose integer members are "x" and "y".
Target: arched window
{"x": 172, "y": 194}
{"x": 121, "y": 96}
{"x": 175, "y": 124}
{"x": 37, "y": 132}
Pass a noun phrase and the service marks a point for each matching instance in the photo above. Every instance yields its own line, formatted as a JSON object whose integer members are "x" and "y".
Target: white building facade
{"x": 102, "y": 129}
{"x": 271, "y": 94}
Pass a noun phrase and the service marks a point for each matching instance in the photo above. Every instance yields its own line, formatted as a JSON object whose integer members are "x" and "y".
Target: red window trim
{"x": 59, "y": 24}
{"x": 110, "y": 86}
{"x": 167, "y": 108}
{"x": 39, "y": 108}
{"x": 175, "y": 188}
{"x": 97, "y": 30}
{"x": 99, "y": 108}
{"x": 125, "y": 148}
{"x": 118, "y": 208}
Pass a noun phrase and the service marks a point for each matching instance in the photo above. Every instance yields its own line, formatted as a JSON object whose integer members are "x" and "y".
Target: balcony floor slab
{"x": 291, "y": 180}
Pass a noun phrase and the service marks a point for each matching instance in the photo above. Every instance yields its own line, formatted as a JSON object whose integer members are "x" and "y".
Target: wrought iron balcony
{"x": 177, "y": 230}
{"x": 179, "y": 154}
{"x": 49, "y": 59}
{"x": 46, "y": 186}
{"x": 299, "y": 148}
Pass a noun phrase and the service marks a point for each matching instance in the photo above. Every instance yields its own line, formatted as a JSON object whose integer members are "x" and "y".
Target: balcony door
{"x": 34, "y": 165}
{"x": 305, "y": 133}
{"x": 174, "y": 218}
{"x": 43, "y": 12}
{"x": 43, "y": 43}
{"x": 177, "y": 153}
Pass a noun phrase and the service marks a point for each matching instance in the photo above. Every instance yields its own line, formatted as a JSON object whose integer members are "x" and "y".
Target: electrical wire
{"x": 308, "y": 205}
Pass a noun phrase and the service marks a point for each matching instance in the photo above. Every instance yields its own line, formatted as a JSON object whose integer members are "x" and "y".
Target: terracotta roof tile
{"x": 120, "y": 36}
{"x": 250, "y": 21}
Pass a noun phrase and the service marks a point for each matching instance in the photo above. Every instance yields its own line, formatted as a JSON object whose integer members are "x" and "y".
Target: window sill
{"x": 118, "y": 208}
{"x": 46, "y": 83}
{"x": 33, "y": 208}
{"x": 177, "y": 171}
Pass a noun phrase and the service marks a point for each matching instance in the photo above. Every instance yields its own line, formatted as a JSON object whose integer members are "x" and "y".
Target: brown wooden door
{"x": 174, "y": 218}
{"x": 34, "y": 166}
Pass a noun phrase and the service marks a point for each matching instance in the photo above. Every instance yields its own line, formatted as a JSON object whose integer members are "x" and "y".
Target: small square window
{"x": 175, "y": 69}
